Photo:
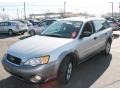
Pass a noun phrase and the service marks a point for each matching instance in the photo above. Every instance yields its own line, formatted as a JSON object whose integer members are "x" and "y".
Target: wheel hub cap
{"x": 108, "y": 47}
{"x": 69, "y": 71}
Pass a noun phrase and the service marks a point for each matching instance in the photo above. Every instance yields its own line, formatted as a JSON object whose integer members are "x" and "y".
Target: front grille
{"x": 13, "y": 59}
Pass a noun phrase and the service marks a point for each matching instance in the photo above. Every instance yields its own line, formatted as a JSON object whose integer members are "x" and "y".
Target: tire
{"x": 32, "y": 33}
{"x": 22, "y": 33}
{"x": 107, "y": 48}
{"x": 65, "y": 71}
{"x": 10, "y": 32}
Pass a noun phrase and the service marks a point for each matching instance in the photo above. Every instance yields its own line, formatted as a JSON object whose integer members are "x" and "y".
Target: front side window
{"x": 88, "y": 28}
{"x": 63, "y": 29}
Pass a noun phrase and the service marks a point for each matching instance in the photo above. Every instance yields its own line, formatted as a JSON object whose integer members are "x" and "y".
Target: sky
{"x": 96, "y": 7}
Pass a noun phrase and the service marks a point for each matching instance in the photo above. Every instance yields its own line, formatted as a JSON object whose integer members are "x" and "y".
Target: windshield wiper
{"x": 54, "y": 35}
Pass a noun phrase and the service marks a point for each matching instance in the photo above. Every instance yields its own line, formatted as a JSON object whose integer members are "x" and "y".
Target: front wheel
{"x": 65, "y": 71}
{"x": 32, "y": 33}
{"x": 10, "y": 32}
{"x": 107, "y": 48}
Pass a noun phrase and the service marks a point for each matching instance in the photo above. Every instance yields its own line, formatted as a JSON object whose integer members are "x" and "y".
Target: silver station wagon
{"x": 54, "y": 52}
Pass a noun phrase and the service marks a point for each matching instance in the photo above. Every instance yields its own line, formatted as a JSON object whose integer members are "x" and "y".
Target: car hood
{"x": 36, "y": 46}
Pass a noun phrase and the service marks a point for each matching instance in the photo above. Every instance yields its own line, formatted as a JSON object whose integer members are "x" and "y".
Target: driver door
{"x": 87, "y": 44}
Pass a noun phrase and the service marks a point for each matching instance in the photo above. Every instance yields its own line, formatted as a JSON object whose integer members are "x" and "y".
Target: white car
{"x": 37, "y": 29}
{"x": 12, "y": 27}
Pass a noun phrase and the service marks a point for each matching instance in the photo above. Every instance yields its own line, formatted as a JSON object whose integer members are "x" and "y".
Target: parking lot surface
{"x": 98, "y": 72}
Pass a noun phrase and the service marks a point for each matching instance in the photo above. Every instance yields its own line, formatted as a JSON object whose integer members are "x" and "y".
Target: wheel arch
{"x": 109, "y": 40}
{"x": 73, "y": 55}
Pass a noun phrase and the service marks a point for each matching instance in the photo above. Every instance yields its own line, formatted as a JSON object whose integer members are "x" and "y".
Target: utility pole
{"x": 64, "y": 13}
{"x": 24, "y": 10}
{"x": 119, "y": 9}
{"x": 112, "y": 8}
{"x": 64, "y": 7}
{"x": 3, "y": 10}
{"x": 3, "y": 13}
{"x": 17, "y": 13}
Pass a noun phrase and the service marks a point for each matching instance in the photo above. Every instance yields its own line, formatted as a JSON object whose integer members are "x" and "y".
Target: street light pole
{"x": 112, "y": 8}
{"x": 64, "y": 7}
{"x": 3, "y": 9}
{"x": 119, "y": 9}
{"x": 24, "y": 11}
{"x": 17, "y": 13}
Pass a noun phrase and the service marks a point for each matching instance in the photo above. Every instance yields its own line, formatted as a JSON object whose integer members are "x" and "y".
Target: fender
{"x": 66, "y": 53}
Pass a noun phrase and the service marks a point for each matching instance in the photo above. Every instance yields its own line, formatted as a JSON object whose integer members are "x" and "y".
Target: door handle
{"x": 95, "y": 38}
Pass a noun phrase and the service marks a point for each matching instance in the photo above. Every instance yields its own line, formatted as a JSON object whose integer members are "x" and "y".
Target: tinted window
{"x": 2, "y": 24}
{"x": 7, "y": 23}
{"x": 105, "y": 24}
{"x": 13, "y": 23}
{"x": 88, "y": 28}
{"x": 50, "y": 22}
{"x": 42, "y": 23}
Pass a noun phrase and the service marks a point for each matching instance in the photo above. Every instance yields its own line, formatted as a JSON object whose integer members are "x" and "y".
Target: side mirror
{"x": 85, "y": 34}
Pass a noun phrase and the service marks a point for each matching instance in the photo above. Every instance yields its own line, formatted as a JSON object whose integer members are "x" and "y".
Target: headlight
{"x": 37, "y": 61}
{"x": 4, "y": 56}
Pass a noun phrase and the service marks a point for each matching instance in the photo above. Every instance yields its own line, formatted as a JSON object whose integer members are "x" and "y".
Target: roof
{"x": 84, "y": 19}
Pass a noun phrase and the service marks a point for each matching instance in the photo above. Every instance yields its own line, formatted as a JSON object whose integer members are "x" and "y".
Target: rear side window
{"x": 50, "y": 22}
{"x": 43, "y": 23}
{"x": 13, "y": 24}
{"x": 1, "y": 23}
{"x": 7, "y": 23}
{"x": 100, "y": 25}
{"x": 105, "y": 24}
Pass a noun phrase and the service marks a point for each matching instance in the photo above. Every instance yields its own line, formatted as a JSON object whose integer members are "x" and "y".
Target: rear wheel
{"x": 32, "y": 33}
{"x": 10, "y": 32}
{"x": 65, "y": 71}
{"x": 107, "y": 48}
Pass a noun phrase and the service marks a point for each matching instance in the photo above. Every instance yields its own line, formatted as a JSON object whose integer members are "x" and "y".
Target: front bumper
{"x": 27, "y": 73}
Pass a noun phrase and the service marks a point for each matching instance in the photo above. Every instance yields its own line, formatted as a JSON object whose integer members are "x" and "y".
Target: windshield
{"x": 63, "y": 29}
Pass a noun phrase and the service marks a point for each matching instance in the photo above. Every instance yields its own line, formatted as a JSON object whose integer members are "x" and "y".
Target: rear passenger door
{"x": 101, "y": 27}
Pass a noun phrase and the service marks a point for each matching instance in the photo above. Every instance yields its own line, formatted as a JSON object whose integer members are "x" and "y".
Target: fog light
{"x": 37, "y": 77}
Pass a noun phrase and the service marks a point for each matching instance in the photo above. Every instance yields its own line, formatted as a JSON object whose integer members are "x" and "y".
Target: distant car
{"x": 113, "y": 23}
{"x": 37, "y": 29}
{"x": 12, "y": 27}
{"x": 34, "y": 22}
{"x": 26, "y": 22}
